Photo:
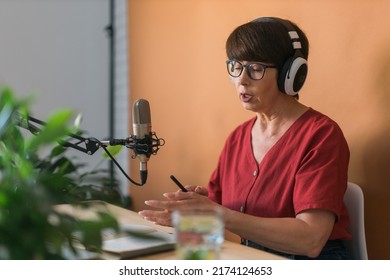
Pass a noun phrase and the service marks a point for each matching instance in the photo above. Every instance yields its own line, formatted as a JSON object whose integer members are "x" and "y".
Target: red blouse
{"x": 305, "y": 169}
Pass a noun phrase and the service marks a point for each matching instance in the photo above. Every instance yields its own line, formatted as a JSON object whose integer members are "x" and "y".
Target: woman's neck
{"x": 283, "y": 114}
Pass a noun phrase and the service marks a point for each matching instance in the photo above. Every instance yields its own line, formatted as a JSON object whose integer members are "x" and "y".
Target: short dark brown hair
{"x": 265, "y": 40}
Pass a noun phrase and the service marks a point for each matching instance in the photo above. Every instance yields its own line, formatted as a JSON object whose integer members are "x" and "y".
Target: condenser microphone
{"x": 142, "y": 127}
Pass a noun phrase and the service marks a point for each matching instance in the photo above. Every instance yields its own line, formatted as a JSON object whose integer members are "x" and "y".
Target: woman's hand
{"x": 197, "y": 189}
{"x": 196, "y": 197}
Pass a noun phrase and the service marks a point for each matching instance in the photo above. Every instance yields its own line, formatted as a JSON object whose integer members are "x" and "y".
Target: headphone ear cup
{"x": 283, "y": 74}
{"x": 293, "y": 75}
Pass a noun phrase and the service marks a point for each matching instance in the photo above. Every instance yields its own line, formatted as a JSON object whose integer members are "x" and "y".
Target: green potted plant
{"x": 30, "y": 226}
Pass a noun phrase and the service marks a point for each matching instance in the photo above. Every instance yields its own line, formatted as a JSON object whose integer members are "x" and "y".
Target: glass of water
{"x": 199, "y": 233}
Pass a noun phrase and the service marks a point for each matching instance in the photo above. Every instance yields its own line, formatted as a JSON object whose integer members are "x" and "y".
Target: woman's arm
{"x": 306, "y": 234}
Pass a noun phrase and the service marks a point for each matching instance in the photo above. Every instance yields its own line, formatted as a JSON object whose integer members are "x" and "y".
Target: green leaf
{"x": 5, "y": 117}
{"x": 54, "y": 130}
{"x": 113, "y": 150}
{"x": 56, "y": 151}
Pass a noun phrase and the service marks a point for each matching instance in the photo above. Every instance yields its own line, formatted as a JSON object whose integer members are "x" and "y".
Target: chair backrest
{"x": 354, "y": 201}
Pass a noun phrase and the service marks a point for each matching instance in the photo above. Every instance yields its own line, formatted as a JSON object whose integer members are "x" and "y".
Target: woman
{"x": 281, "y": 175}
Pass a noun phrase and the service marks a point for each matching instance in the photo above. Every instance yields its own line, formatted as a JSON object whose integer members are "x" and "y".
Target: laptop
{"x": 137, "y": 240}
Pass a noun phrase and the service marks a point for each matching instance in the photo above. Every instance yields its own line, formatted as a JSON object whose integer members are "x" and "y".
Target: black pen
{"x": 178, "y": 183}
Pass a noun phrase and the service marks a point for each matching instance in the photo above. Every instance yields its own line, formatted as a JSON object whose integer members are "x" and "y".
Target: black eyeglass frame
{"x": 247, "y": 68}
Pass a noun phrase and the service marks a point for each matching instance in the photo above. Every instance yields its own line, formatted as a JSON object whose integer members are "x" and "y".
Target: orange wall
{"x": 177, "y": 63}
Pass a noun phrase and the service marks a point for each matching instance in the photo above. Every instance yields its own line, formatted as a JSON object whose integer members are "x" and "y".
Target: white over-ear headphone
{"x": 294, "y": 71}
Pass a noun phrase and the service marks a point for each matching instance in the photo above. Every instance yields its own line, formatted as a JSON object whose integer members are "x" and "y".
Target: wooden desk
{"x": 230, "y": 250}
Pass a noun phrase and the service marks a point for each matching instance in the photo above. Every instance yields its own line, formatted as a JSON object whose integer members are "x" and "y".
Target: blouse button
{"x": 255, "y": 173}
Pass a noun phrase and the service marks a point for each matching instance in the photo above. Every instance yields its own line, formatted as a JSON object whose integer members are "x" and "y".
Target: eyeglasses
{"x": 254, "y": 70}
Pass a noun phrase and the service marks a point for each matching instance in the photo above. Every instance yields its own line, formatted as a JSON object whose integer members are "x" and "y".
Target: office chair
{"x": 354, "y": 201}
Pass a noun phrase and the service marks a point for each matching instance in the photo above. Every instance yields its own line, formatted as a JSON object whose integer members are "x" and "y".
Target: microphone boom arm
{"x": 145, "y": 147}
{"x": 91, "y": 145}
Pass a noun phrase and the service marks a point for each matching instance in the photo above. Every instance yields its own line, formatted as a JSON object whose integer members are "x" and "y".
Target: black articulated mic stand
{"x": 143, "y": 147}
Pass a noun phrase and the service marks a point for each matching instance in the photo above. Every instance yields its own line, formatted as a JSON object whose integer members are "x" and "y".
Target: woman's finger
{"x": 158, "y": 217}
{"x": 165, "y": 204}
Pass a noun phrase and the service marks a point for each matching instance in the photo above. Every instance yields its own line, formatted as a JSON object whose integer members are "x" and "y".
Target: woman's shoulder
{"x": 240, "y": 133}
{"x": 313, "y": 122}
{"x": 243, "y": 127}
{"x": 316, "y": 118}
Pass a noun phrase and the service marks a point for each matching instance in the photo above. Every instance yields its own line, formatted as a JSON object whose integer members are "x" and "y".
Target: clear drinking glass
{"x": 199, "y": 233}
